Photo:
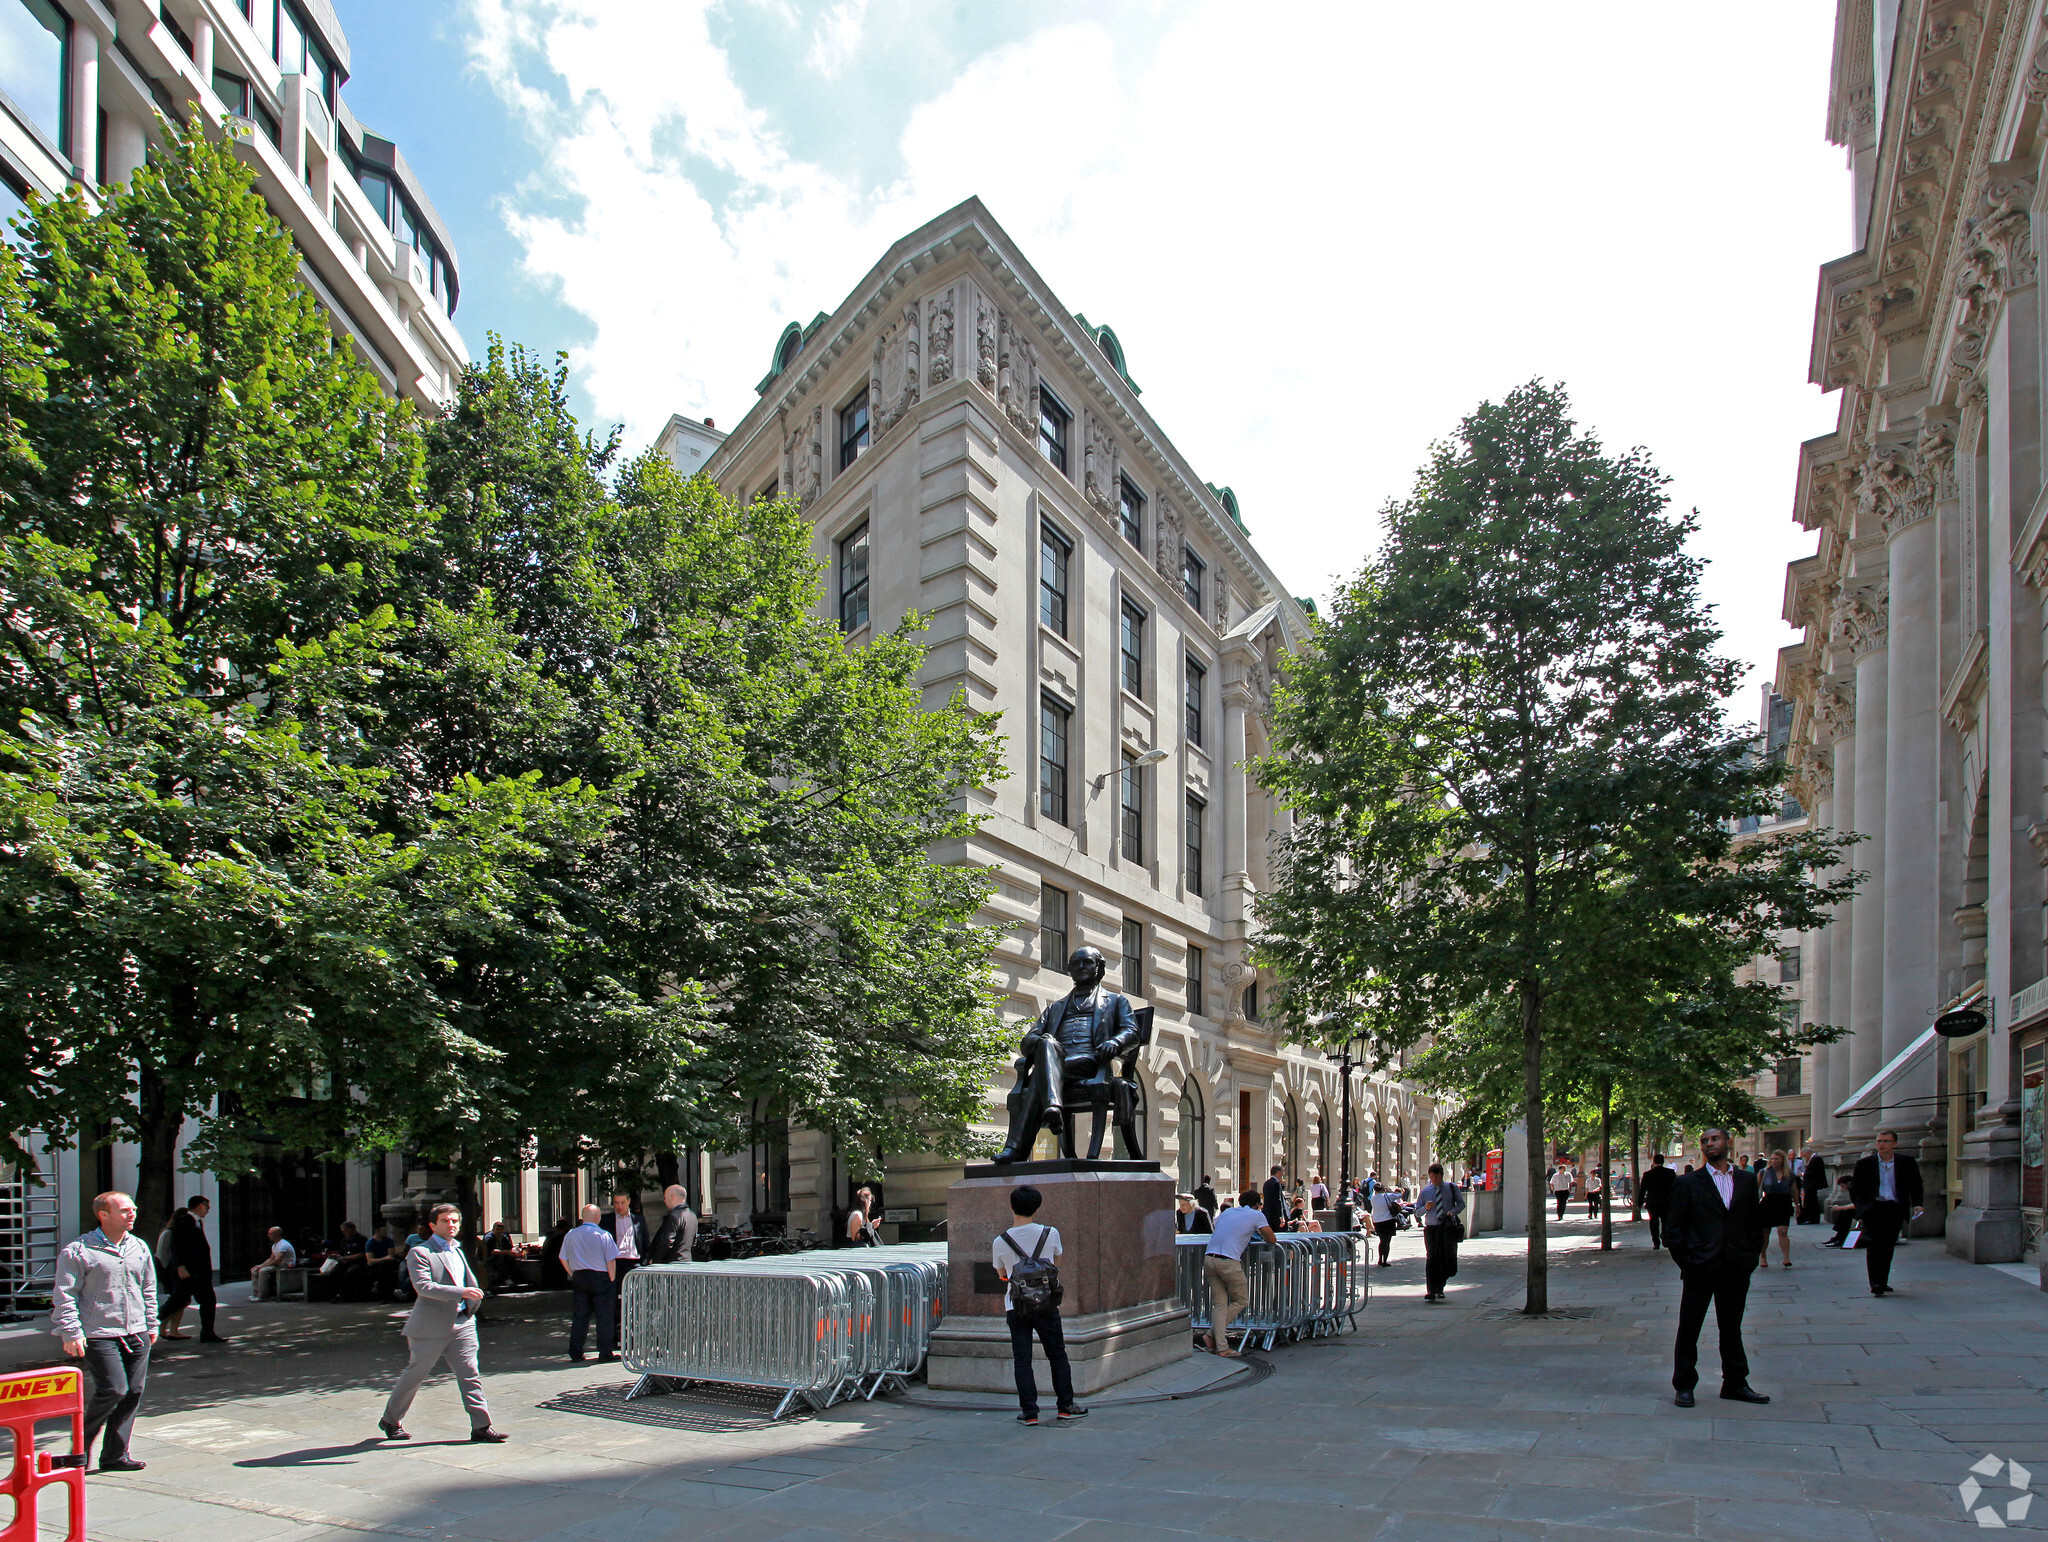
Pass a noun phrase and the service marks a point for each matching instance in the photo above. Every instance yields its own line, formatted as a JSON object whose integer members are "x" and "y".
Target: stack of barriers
{"x": 819, "y": 1325}
{"x": 1305, "y": 1285}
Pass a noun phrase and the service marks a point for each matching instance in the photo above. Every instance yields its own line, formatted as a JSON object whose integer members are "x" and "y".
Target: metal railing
{"x": 819, "y": 1325}
{"x": 1305, "y": 1285}
{"x": 29, "y": 1236}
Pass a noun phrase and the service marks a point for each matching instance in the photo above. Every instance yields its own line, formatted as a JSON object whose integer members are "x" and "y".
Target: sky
{"x": 1323, "y": 234}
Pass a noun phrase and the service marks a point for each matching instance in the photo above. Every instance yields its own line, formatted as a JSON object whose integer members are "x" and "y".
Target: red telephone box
{"x": 1493, "y": 1160}
{"x": 57, "y": 1392}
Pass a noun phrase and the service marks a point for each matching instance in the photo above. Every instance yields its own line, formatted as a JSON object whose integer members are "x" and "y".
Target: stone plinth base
{"x": 1115, "y": 1221}
{"x": 972, "y": 1354}
{"x": 1986, "y": 1236}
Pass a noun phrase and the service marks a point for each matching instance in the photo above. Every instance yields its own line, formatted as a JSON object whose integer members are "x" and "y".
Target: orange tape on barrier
{"x": 25, "y": 1397}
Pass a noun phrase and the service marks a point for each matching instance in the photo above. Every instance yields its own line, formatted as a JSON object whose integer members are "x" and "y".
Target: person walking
{"x": 103, "y": 1310}
{"x": 191, "y": 1272}
{"x": 677, "y": 1235}
{"x": 1031, "y": 1305}
{"x": 1442, "y": 1207}
{"x": 1189, "y": 1218}
{"x": 1886, "y": 1188}
{"x": 629, "y": 1232}
{"x": 1223, "y": 1267}
{"x": 1274, "y": 1198}
{"x": 1593, "y": 1187}
{"x": 591, "y": 1257}
{"x": 1714, "y": 1239}
{"x": 1657, "y": 1196}
{"x": 1318, "y": 1193}
{"x": 1561, "y": 1186}
{"x": 441, "y": 1325}
{"x": 1813, "y": 1187}
{"x": 1386, "y": 1220}
{"x": 1775, "y": 1187}
{"x": 1205, "y": 1196}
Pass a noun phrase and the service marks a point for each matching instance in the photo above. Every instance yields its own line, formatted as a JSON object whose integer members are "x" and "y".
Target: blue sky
{"x": 1323, "y": 232}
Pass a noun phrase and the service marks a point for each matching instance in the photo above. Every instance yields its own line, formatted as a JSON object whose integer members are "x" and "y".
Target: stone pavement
{"x": 1439, "y": 1423}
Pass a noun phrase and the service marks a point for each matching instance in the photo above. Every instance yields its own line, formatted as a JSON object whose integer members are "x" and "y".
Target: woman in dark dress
{"x": 1775, "y": 1190}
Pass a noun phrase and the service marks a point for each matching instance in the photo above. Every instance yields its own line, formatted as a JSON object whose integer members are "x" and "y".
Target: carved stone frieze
{"x": 1170, "y": 535}
{"x": 939, "y": 358}
{"x": 803, "y": 457}
{"x": 1861, "y": 620}
{"x": 984, "y": 344}
{"x": 1016, "y": 376}
{"x": 1099, "y": 466}
{"x": 1834, "y": 711}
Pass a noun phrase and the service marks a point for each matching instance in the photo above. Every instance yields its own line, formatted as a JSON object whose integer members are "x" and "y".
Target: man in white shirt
{"x": 1025, "y": 1239}
{"x": 1229, "y": 1290}
{"x": 1594, "y": 1184}
{"x": 630, "y": 1233}
{"x": 591, "y": 1258}
{"x": 1561, "y": 1186}
{"x": 263, "y": 1278}
{"x": 1386, "y": 1220}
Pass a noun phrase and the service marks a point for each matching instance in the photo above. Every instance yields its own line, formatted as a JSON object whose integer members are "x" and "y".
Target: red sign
{"x": 1493, "y": 1161}
{"x": 25, "y": 1398}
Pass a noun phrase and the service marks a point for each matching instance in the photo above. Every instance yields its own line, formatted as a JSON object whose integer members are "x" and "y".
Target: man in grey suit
{"x": 442, "y": 1324}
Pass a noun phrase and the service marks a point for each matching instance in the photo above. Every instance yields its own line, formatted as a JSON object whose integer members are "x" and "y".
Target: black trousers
{"x": 1385, "y": 1231}
{"x": 624, "y": 1266}
{"x": 184, "y": 1293}
{"x": 1564, "y": 1197}
{"x": 1881, "y": 1223}
{"x": 119, "y": 1368}
{"x": 1053, "y": 1335}
{"x": 1656, "y": 1230}
{"x": 1726, "y": 1287}
{"x": 1439, "y": 1259}
{"x": 593, "y": 1293}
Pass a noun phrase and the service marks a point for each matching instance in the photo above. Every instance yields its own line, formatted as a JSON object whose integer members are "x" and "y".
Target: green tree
{"x": 1506, "y": 754}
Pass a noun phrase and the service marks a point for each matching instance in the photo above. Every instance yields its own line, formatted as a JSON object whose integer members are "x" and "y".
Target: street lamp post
{"x": 1344, "y": 1173}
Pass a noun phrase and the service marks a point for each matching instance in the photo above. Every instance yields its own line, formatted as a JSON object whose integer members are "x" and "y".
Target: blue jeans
{"x": 1053, "y": 1336}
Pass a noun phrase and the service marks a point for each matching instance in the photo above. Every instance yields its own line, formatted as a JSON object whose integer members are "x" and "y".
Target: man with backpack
{"x": 1024, "y": 1257}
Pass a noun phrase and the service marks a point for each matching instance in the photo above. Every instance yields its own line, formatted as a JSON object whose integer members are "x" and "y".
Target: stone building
{"x": 85, "y": 89}
{"x": 968, "y": 448}
{"x": 1918, "y": 717}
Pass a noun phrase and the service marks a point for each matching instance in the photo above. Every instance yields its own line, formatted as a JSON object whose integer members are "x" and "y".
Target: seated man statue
{"x": 1067, "y": 1057}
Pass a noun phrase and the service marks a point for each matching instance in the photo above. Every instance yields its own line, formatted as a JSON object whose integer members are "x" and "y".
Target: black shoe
{"x": 487, "y": 1436}
{"x": 121, "y": 1464}
{"x": 1076, "y": 1412}
{"x": 1880, "y": 1290}
{"x": 601, "y": 1359}
{"x": 393, "y": 1431}
{"x": 211, "y": 1338}
{"x": 1027, "y": 1418}
{"x": 1683, "y": 1400}
{"x": 576, "y": 1359}
{"x": 1742, "y": 1394}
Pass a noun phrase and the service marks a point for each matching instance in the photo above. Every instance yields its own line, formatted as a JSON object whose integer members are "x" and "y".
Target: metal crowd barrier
{"x": 820, "y": 1325}
{"x": 1305, "y": 1285}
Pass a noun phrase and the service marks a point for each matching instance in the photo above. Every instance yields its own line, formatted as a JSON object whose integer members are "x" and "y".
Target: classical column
{"x": 1237, "y": 701}
{"x": 1840, "y": 942}
{"x": 1817, "y": 959}
{"x": 1911, "y": 818}
{"x": 1866, "y": 961}
{"x": 85, "y": 101}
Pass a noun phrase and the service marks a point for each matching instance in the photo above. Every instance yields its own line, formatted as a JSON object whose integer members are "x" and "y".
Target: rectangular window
{"x": 1134, "y": 650}
{"x": 233, "y": 92}
{"x": 1133, "y": 811}
{"x": 262, "y": 16}
{"x": 1194, "y": 573}
{"x": 1052, "y": 927}
{"x": 1053, "y": 423}
{"x": 1788, "y": 966}
{"x": 1130, "y": 513}
{"x": 1196, "y": 816}
{"x": 291, "y": 42}
{"x": 1054, "y": 553}
{"x": 853, "y": 581}
{"x": 853, "y": 430}
{"x": 1134, "y": 958}
{"x": 1788, "y": 1077}
{"x": 1251, "y": 1002}
{"x": 767, "y": 492}
{"x": 319, "y": 73}
{"x": 1198, "y": 681}
{"x": 375, "y": 188}
{"x": 1198, "y": 964}
{"x": 1052, "y": 760}
{"x": 35, "y": 65}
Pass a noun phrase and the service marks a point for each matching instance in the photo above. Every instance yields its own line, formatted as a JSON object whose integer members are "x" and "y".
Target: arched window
{"x": 1323, "y": 1149}
{"x": 770, "y": 1163}
{"x": 1193, "y": 1128}
{"x": 1291, "y": 1135}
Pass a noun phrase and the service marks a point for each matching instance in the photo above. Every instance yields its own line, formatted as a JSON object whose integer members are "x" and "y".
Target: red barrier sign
{"x": 25, "y": 1398}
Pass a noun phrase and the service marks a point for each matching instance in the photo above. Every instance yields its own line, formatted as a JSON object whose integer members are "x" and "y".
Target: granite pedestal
{"x": 1115, "y": 1221}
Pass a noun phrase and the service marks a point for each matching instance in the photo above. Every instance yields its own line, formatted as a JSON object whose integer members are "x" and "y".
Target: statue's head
{"x": 1087, "y": 967}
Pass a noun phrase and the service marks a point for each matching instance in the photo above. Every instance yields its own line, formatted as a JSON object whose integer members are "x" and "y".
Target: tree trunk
{"x": 667, "y": 1164}
{"x": 1538, "y": 1300}
{"x": 158, "y": 1121}
{"x": 1635, "y": 1170}
{"x": 1606, "y": 1167}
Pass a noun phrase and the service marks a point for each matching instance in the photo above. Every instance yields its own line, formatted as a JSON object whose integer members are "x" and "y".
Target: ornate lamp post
{"x": 1348, "y": 1065}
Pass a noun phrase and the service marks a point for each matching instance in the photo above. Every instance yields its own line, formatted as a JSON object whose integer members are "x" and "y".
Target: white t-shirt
{"x": 1561, "y": 1180}
{"x": 1234, "y": 1231}
{"x": 1026, "y": 1233}
{"x": 1593, "y": 1183}
{"x": 286, "y": 1255}
{"x": 1319, "y": 1190}
{"x": 1383, "y": 1205}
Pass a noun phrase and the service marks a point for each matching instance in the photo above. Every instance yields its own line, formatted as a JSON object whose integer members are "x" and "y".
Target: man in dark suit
{"x": 1813, "y": 1188}
{"x": 677, "y": 1235}
{"x": 1274, "y": 1199}
{"x": 1205, "y": 1196}
{"x": 1712, "y": 1232}
{"x": 1886, "y": 1188}
{"x": 191, "y": 1271}
{"x": 629, "y": 1233}
{"x": 1657, "y": 1184}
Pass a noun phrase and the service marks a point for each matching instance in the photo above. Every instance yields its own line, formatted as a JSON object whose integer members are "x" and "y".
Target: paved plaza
{"x": 1437, "y": 1423}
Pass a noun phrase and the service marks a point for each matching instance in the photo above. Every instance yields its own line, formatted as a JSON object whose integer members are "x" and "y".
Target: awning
{"x": 1894, "y": 1068}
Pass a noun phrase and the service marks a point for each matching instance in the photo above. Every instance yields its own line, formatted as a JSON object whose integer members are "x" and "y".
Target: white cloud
{"x": 838, "y": 38}
{"x": 1322, "y": 238}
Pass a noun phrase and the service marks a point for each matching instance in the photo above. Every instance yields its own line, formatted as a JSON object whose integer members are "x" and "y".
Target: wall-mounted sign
{"x": 1960, "y": 1024}
{"x": 900, "y": 1213}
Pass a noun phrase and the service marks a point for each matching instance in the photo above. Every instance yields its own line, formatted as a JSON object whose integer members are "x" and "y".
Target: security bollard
{"x": 25, "y": 1398}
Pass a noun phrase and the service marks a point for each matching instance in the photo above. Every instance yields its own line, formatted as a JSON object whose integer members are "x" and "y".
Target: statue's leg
{"x": 1127, "y": 1131}
{"x": 1027, "y": 1110}
{"x": 1049, "y": 1073}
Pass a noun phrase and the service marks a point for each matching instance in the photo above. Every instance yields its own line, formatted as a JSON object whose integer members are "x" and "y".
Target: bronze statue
{"x": 1065, "y": 1063}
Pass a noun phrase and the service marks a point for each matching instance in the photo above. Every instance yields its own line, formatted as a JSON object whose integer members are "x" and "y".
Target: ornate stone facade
{"x": 1918, "y": 682}
{"x": 958, "y": 494}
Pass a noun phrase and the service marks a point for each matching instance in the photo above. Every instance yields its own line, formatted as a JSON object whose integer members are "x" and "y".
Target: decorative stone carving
{"x": 1995, "y": 256}
{"x": 1936, "y": 450}
{"x": 1099, "y": 466}
{"x": 1167, "y": 559}
{"x": 1222, "y": 603}
{"x": 984, "y": 344}
{"x": 1861, "y": 619}
{"x": 803, "y": 457}
{"x": 1834, "y": 711}
{"x": 1017, "y": 376}
{"x": 940, "y": 359}
{"x": 1888, "y": 498}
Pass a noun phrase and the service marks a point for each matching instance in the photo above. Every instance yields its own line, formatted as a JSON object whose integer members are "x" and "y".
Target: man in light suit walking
{"x": 442, "y": 1324}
